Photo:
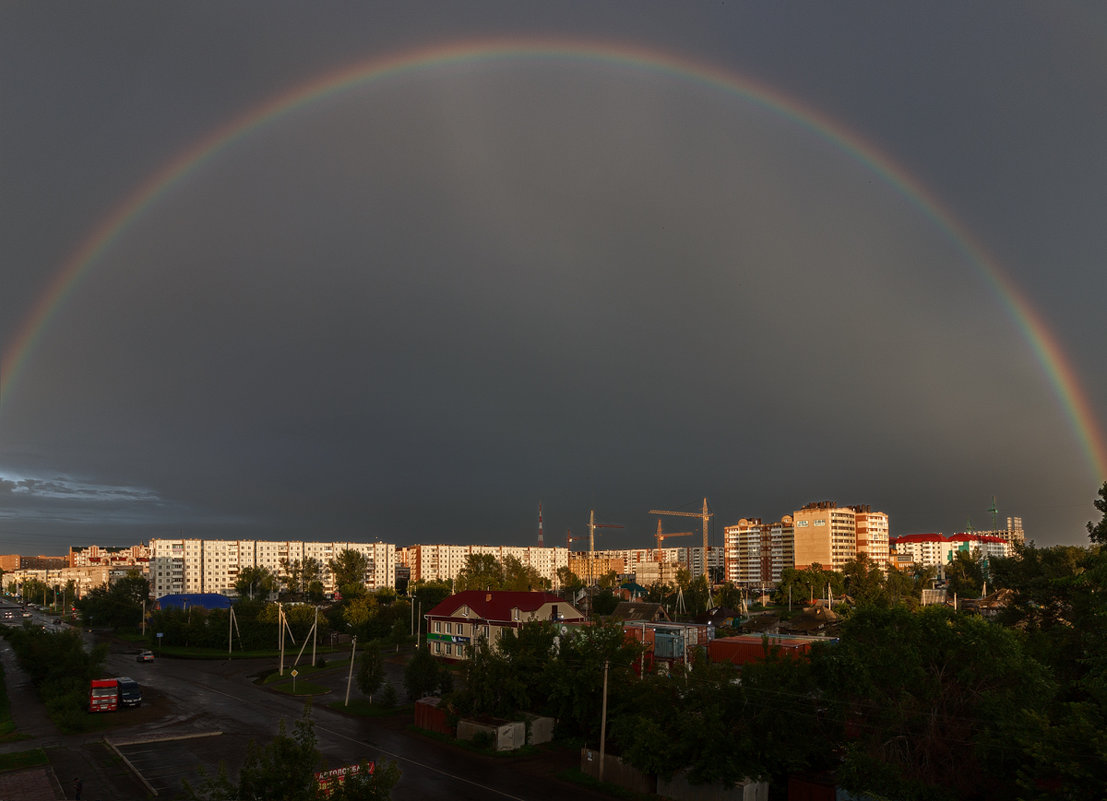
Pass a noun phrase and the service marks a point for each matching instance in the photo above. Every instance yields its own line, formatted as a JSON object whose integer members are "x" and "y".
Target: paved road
{"x": 199, "y": 713}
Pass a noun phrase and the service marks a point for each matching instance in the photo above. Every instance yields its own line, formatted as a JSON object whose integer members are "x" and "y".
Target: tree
{"x": 482, "y": 571}
{"x": 370, "y": 671}
{"x": 864, "y": 581}
{"x": 931, "y": 704}
{"x": 1057, "y": 603}
{"x": 118, "y": 604}
{"x": 284, "y": 770}
{"x": 255, "y": 581}
{"x": 573, "y": 683}
{"x": 350, "y": 569}
{"x": 522, "y": 578}
{"x": 1098, "y": 532}
{"x": 423, "y": 675}
{"x": 965, "y": 574}
{"x": 291, "y": 578}
{"x": 568, "y": 580}
{"x": 807, "y": 584}
{"x": 608, "y": 581}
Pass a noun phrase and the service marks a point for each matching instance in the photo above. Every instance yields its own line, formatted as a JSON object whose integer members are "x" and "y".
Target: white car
{"x": 145, "y": 656}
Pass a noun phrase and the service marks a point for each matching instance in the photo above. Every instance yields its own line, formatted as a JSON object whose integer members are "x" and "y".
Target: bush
{"x": 388, "y": 697}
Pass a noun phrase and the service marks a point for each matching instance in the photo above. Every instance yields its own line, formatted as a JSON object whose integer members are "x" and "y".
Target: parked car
{"x": 145, "y": 656}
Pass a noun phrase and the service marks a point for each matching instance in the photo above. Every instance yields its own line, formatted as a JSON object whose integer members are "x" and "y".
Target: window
{"x": 448, "y": 627}
{"x": 438, "y": 626}
{"x": 449, "y": 650}
{"x": 438, "y": 647}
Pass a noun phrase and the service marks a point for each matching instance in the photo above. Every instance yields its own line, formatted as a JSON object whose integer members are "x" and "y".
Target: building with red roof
{"x": 936, "y": 550}
{"x": 461, "y": 620}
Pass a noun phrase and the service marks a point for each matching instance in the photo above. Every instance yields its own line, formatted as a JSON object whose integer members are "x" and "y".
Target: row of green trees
{"x": 60, "y": 670}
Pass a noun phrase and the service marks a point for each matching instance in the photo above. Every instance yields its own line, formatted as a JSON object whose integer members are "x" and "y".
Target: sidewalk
{"x": 29, "y": 716}
{"x": 71, "y": 756}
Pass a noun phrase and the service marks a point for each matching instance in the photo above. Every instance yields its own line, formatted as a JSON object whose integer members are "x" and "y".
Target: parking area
{"x": 164, "y": 763}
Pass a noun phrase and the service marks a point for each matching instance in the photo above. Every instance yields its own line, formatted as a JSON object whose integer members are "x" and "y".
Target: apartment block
{"x": 756, "y": 553}
{"x": 936, "y": 550}
{"x": 825, "y": 534}
{"x": 872, "y": 535}
{"x": 445, "y": 562}
{"x": 193, "y": 565}
{"x": 831, "y": 535}
{"x": 137, "y": 556}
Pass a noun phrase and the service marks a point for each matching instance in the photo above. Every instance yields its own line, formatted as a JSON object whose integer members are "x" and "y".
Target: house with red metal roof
{"x": 463, "y": 619}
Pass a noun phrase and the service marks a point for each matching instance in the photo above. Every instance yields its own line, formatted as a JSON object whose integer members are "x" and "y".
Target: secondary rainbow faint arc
{"x": 1043, "y": 342}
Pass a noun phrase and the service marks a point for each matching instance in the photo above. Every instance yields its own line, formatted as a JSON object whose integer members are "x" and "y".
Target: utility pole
{"x": 350, "y": 678}
{"x": 603, "y": 721}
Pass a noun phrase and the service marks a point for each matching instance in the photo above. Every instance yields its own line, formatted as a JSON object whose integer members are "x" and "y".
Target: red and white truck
{"x": 107, "y": 695}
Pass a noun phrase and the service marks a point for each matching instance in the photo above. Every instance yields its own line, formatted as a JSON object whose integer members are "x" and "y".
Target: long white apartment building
{"x": 193, "y": 565}
{"x": 444, "y": 562}
{"x": 936, "y": 550}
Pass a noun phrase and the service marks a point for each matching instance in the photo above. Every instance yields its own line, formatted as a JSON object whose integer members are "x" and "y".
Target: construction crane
{"x": 995, "y": 515}
{"x": 570, "y": 539}
{"x": 705, "y": 515}
{"x": 661, "y": 537}
{"x": 592, "y": 526}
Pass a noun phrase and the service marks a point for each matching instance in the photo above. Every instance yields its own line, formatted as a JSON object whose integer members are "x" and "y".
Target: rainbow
{"x": 1060, "y": 372}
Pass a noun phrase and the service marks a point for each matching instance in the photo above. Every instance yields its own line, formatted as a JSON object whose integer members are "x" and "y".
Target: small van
{"x": 130, "y": 694}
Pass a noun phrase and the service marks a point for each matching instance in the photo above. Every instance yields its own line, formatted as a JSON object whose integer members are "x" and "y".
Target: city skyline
{"x": 357, "y": 276}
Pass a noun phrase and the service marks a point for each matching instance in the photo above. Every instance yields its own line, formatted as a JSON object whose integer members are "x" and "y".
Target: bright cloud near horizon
{"x": 670, "y": 252}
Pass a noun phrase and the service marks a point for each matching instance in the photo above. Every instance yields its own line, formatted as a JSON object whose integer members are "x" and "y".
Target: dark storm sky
{"x": 413, "y": 309}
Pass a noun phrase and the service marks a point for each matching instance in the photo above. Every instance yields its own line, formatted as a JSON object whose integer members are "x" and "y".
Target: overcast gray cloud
{"x": 413, "y": 309}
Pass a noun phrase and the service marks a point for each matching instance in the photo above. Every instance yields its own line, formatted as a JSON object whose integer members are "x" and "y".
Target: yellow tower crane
{"x": 661, "y": 537}
{"x": 592, "y": 526}
{"x": 705, "y": 515}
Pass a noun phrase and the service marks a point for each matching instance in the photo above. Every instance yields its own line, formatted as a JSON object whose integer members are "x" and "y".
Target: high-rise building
{"x": 872, "y": 535}
{"x": 831, "y": 535}
{"x": 756, "y": 553}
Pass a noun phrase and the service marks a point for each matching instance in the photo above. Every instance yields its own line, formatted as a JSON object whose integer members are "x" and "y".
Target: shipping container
{"x": 743, "y": 650}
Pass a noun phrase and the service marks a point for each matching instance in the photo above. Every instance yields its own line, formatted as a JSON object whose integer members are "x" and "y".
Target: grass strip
{"x": 19, "y": 760}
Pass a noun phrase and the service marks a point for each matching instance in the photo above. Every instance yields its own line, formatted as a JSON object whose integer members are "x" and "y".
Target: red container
{"x": 743, "y": 650}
